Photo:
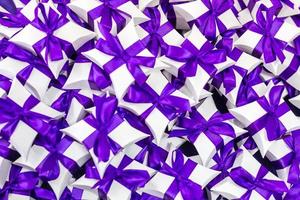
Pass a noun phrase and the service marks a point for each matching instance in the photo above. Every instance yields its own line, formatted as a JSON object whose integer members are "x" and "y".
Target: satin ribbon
{"x": 209, "y": 21}
{"x": 19, "y": 182}
{"x": 49, "y": 169}
{"x": 246, "y": 93}
{"x": 213, "y": 129}
{"x": 98, "y": 78}
{"x": 34, "y": 62}
{"x": 108, "y": 12}
{"x": 154, "y": 40}
{"x": 113, "y": 47}
{"x": 49, "y": 24}
{"x": 205, "y": 57}
{"x": 129, "y": 178}
{"x": 6, "y": 152}
{"x": 268, "y": 46}
{"x": 260, "y": 184}
{"x": 8, "y": 5}
{"x": 270, "y": 121}
{"x": 11, "y": 114}
{"x": 224, "y": 161}
{"x": 153, "y": 154}
{"x": 106, "y": 120}
{"x": 64, "y": 101}
{"x": 16, "y": 20}
{"x": 181, "y": 171}
{"x": 291, "y": 159}
{"x": 227, "y": 78}
{"x": 170, "y": 105}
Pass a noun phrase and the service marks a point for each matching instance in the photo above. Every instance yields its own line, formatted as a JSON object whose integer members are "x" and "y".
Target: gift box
{"x": 272, "y": 119}
{"x": 195, "y": 71}
{"x": 248, "y": 179}
{"x": 207, "y": 129}
{"x": 124, "y": 58}
{"x": 107, "y": 17}
{"x": 50, "y": 36}
{"x": 24, "y": 117}
{"x": 179, "y": 178}
{"x": 212, "y": 18}
{"x": 104, "y": 137}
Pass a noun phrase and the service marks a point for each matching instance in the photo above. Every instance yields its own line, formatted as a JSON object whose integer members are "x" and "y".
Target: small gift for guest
{"x": 49, "y": 36}
{"x": 195, "y": 61}
{"x": 104, "y": 132}
{"x": 23, "y": 117}
{"x": 107, "y": 17}
{"x": 207, "y": 129}
{"x": 271, "y": 120}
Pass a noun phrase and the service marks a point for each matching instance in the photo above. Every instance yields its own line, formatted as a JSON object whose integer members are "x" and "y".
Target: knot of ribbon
{"x": 205, "y": 57}
{"x": 52, "y": 21}
{"x": 212, "y": 128}
{"x": 209, "y": 21}
{"x": 113, "y": 47}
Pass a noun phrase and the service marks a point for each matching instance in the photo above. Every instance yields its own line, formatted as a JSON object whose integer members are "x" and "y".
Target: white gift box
{"x": 200, "y": 79}
{"x": 10, "y": 68}
{"x": 156, "y": 120}
{"x": 121, "y": 77}
{"x": 30, "y": 35}
{"x": 82, "y": 130}
{"x": 171, "y": 38}
{"x": 204, "y": 146}
{"x": 24, "y": 135}
{"x": 246, "y": 117}
{"x": 190, "y": 11}
{"x": 37, "y": 154}
{"x": 231, "y": 190}
{"x": 76, "y": 110}
{"x": 160, "y": 182}
{"x": 83, "y": 10}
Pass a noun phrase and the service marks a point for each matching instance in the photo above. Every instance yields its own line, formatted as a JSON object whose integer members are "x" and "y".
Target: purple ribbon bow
{"x": 113, "y": 47}
{"x": 154, "y": 41}
{"x": 205, "y": 57}
{"x": 227, "y": 78}
{"x": 246, "y": 93}
{"x": 181, "y": 172}
{"x": 197, "y": 124}
{"x": 268, "y": 46}
{"x": 63, "y": 103}
{"x": 292, "y": 159}
{"x": 34, "y": 62}
{"x": 11, "y": 114}
{"x": 171, "y": 106}
{"x": 260, "y": 184}
{"x": 108, "y": 12}
{"x": 19, "y": 183}
{"x": 106, "y": 120}
{"x": 49, "y": 169}
{"x": 224, "y": 161}
{"x": 208, "y": 22}
{"x": 49, "y": 24}
{"x": 270, "y": 121}
{"x": 130, "y": 178}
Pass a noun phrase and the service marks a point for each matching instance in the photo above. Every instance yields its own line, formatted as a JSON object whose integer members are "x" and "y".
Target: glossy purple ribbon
{"x": 270, "y": 121}
{"x": 49, "y": 24}
{"x": 209, "y": 21}
{"x": 113, "y": 47}
{"x": 205, "y": 57}
{"x": 197, "y": 124}
{"x": 262, "y": 185}
{"x": 170, "y": 105}
{"x": 106, "y": 120}
{"x": 181, "y": 171}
